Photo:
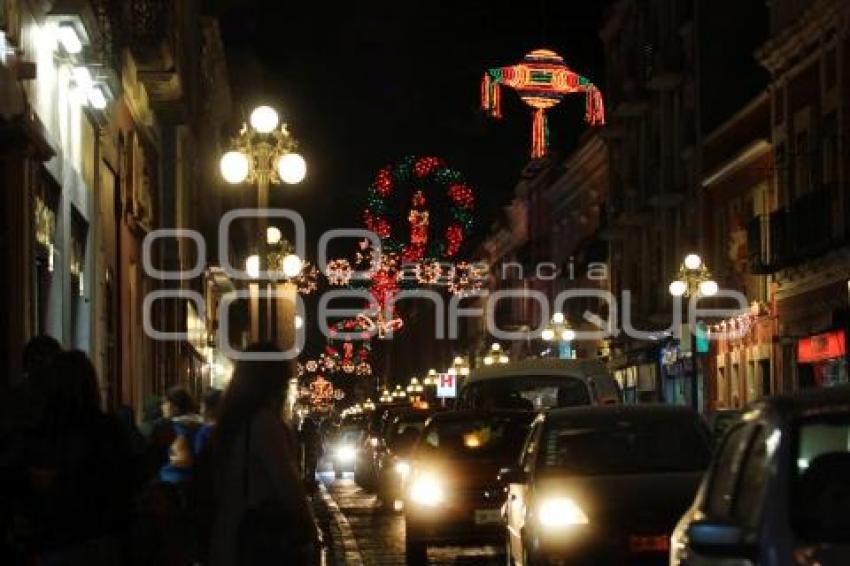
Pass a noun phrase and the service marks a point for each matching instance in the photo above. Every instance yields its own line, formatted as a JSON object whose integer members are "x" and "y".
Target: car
{"x": 374, "y": 445}
{"x": 345, "y": 447}
{"x": 778, "y": 488}
{"x": 394, "y": 463}
{"x": 603, "y": 485}
{"x": 452, "y": 496}
{"x": 721, "y": 420}
{"x": 539, "y": 384}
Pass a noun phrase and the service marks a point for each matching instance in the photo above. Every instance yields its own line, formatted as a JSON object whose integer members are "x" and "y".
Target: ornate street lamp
{"x": 694, "y": 278}
{"x": 559, "y": 330}
{"x": 496, "y": 355}
{"x": 263, "y": 153}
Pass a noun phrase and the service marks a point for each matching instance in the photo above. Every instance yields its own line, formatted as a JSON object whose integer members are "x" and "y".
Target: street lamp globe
{"x": 252, "y": 266}
{"x": 291, "y": 168}
{"x": 568, "y": 335}
{"x": 273, "y": 235}
{"x": 503, "y": 359}
{"x": 458, "y": 361}
{"x": 234, "y": 167}
{"x": 264, "y": 119}
{"x": 693, "y": 261}
{"x": 496, "y": 347}
{"x": 677, "y": 288}
{"x": 548, "y": 334}
{"x": 292, "y": 265}
{"x": 558, "y": 318}
{"x": 708, "y": 288}
{"x": 488, "y": 360}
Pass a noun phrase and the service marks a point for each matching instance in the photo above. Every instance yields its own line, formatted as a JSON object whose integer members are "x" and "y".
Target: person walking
{"x": 262, "y": 514}
{"x": 312, "y": 448}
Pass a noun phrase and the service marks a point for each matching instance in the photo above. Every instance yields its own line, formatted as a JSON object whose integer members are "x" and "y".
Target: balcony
{"x": 809, "y": 227}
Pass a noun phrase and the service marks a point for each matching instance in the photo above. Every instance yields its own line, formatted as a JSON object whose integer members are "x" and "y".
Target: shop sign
{"x": 821, "y": 347}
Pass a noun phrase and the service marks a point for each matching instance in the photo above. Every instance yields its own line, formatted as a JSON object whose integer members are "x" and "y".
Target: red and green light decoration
{"x": 542, "y": 80}
{"x": 405, "y": 209}
{"x": 348, "y": 357}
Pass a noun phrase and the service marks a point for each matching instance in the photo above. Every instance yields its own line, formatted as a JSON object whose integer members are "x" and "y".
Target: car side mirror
{"x": 719, "y": 538}
{"x": 512, "y": 475}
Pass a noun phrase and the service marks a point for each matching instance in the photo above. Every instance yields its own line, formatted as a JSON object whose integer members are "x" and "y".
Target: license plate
{"x": 487, "y": 516}
{"x": 638, "y": 544}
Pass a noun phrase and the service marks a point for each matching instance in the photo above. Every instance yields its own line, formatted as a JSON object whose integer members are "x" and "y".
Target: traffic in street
{"x": 547, "y": 469}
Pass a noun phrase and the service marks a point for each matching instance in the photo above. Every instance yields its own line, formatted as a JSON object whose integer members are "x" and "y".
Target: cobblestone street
{"x": 364, "y": 534}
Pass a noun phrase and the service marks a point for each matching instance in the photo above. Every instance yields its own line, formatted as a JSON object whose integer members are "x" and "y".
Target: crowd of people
{"x": 218, "y": 484}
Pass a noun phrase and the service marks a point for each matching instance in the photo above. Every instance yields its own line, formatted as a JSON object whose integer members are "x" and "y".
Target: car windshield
{"x": 531, "y": 392}
{"x": 495, "y": 438}
{"x": 821, "y": 489}
{"x": 402, "y": 426}
{"x": 624, "y": 445}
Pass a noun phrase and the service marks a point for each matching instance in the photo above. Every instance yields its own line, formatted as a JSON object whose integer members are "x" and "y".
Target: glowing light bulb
{"x": 677, "y": 288}
{"x": 292, "y": 265}
{"x": 558, "y": 318}
{"x": 252, "y": 266}
{"x": 264, "y": 119}
{"x": 693, "y": 261}
{"x": 708, "y": 288}
{"x": 234, "y": 166}
{"x": 291, "y": 168}
{"x": 273, "y": 235}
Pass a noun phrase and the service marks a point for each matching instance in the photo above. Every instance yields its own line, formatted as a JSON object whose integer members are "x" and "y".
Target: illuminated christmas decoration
{"x": 464, "y": 278}
{"x": 338, "y": 272}
{"x": 420, "y": 208}
{"x": 428, "y": 273}
{"x": 311, "y": 366}
{"x": 321, "y": 391}
{"x": 306, "y": 281}
{"x": 348, "y": 357}
{"x": 542, "y": 80}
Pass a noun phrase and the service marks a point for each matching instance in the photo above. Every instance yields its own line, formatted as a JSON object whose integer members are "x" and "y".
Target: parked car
{"x": 452, "y": 496}
{"x": 778, "y": 488}
{"x": 394, "y": 462}
{"x": 539, "y": 384}
{"x": 603, "y": 485}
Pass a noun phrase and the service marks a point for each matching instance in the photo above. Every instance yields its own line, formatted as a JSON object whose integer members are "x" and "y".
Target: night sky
{"x": 365, "y": 83}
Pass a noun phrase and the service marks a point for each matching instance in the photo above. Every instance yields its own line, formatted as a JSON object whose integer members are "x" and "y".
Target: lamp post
{"x": 264, "y": 153}
{"x": 496, "y": 355}
{"x": 559, "y": 330}
{"x": 693, "y": 279}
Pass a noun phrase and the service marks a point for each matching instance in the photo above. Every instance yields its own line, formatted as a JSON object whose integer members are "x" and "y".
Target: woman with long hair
{"x": 262, "y": 514}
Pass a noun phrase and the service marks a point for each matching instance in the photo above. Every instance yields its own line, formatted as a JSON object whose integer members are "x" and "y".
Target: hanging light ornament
{"x": 464, "y": 278}
{"x": 338, "y": 272}
{"x": 542, "y": 80}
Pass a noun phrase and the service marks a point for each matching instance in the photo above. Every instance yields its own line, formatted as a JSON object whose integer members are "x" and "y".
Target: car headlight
{"x": 346, "y": 453}
{"x": 427, "y": 491}
{"x": 560, "y": 512}
{"x": 402, "y": 468}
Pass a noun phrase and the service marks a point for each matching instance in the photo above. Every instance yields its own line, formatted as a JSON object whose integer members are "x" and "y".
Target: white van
{"x": 539, "y": 384}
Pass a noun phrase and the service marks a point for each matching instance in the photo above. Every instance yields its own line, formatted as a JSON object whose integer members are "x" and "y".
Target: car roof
{"x": 581, "y": 369}
{"x": 807, "y": 402}
{"x": 609, "y": 412}
{"x": 464, "y": 414}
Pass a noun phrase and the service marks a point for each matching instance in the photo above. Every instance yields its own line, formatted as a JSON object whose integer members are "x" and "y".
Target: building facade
{"x": 805, "y": 233}
{"x": 102, "y": 143}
